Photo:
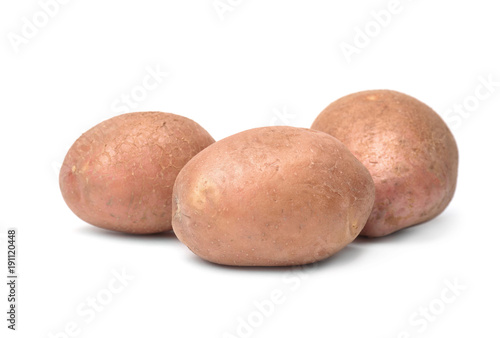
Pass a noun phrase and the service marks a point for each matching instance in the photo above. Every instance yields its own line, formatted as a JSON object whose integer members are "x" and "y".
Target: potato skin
{"x": 272, "y": 196}
{"x": 119, "y": 175}
{"x": 408, "y": 149}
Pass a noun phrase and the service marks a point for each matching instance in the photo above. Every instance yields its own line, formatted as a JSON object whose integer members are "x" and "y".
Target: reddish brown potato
{"x": 408, "y": 149}
{"x": 119, "y": 175}
{"x": 271, "y": 196}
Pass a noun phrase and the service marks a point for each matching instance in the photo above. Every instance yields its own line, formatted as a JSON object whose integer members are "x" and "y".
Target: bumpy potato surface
{"x": 408, "y": 149}
{"x": 273, "y": 196}
{"x": 119, "y": 175}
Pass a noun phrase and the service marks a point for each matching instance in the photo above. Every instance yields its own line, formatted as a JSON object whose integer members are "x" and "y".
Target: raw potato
{"x": 408, "y": 149}
{"x": 119, "y": 175}
{"x": 272, "y": 196}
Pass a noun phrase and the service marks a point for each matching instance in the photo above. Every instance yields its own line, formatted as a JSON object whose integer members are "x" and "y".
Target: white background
{"x": 262, "y": 63}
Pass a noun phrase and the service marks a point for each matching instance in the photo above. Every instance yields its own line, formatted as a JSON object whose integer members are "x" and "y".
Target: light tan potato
{"x": 408, "y": 149}
{"x": 119, "y": 175}
{"x": 271, "y": 196}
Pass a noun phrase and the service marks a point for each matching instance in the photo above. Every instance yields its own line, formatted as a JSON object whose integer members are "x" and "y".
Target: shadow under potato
{"x": 343, "y": 257}
{"x": 96, "y": 231}
{"x": 423, "y": 232}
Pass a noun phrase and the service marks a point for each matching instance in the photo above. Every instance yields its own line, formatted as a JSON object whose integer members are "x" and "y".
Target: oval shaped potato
{"x": 119, "y": 175}
{"x": 271, "y": 196}
{"x": 408, "y": 149}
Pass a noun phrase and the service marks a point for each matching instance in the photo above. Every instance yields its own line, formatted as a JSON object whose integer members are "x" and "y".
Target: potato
{"x": 272, "y": 196}
{"x": 408, "y": 149}
{"x": 119, "y": 175}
